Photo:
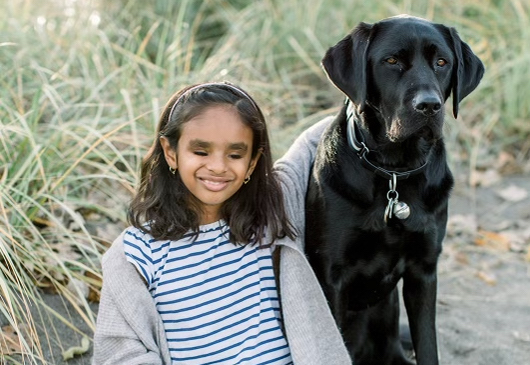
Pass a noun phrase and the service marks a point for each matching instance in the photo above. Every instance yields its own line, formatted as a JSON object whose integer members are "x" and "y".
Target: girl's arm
{"x": 294, "y": 169}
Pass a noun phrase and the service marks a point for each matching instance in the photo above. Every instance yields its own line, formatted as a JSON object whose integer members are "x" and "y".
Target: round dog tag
{"x": 401, "y": 210}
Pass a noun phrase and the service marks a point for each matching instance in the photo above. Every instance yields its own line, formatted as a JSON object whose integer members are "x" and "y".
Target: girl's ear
{"x": 169, "y": 153}
{"x": 253, "y": 163}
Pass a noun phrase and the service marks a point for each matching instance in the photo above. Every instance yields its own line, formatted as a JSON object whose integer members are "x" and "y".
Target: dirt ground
{"x": 483, "y": 313}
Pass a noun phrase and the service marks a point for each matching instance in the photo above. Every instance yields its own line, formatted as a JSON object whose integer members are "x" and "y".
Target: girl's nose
{"x": 216, "y": 164}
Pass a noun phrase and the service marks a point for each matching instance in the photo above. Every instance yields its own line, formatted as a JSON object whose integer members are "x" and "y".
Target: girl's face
{"x": 213, "y": 157}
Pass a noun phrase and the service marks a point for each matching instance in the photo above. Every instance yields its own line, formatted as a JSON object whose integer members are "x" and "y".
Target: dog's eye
{"x": 441, "y": 62}
{"x": 391, "y": 60}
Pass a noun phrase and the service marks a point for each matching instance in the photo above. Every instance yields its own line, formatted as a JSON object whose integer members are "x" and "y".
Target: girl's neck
{"x": 209, "y": 217}
{"x": 204, "y": 222}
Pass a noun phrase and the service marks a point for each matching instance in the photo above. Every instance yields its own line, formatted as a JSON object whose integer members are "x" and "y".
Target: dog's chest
{"x": 366, "y": 205}
{"x": 374, "y": 280}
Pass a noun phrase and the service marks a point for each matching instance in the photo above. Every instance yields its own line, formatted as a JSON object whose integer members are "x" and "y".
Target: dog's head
{"x": 402, "y": 70}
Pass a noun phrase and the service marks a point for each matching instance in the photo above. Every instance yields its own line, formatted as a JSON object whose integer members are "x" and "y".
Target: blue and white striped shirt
{"x": 218, "y": 301}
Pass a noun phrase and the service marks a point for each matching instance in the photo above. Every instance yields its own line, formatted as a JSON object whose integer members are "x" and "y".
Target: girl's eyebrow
{"x": 198, "y": 143}
{"x": 239, "y": 146}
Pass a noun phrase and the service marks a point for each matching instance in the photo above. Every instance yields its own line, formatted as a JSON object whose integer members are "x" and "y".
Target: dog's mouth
{"x": 427, "y": 133}
{"x": 399, "y": 133}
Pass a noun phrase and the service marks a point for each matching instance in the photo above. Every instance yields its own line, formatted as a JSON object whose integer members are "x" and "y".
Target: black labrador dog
{"x": 376, "y": 208}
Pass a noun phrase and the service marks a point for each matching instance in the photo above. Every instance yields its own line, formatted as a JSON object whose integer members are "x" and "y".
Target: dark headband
{"x": 206, "y": 85}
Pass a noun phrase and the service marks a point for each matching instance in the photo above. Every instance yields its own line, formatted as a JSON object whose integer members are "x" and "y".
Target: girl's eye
{"x": 200, "y": 153}
{"x": 441, "y": 62}
{"x": 236, "y": 157}
{"x": 391, "y": 60}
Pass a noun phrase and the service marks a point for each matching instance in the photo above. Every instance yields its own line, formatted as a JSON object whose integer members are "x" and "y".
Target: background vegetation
{"x": 82, "y": 84}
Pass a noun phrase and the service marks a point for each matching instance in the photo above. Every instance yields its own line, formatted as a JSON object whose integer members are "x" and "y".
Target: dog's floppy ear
{"x": 468, "y": 70}
{"x": 345, "y": 64}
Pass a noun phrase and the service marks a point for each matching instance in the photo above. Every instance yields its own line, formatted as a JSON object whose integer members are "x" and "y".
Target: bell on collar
{"x": 401, "y": 210}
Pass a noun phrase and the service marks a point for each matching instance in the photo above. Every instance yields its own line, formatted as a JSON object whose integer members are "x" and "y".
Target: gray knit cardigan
{"x": 129, "y": 330}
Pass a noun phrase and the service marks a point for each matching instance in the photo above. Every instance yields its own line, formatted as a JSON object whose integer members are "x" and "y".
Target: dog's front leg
{"x": 419, "y": 294}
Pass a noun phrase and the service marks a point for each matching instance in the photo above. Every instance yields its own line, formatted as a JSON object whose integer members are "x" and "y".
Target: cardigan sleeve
{"x": 115, "y": 342}
{"x": 128, "y": 329}
{"x": 313, "y": 336}
{"x": 294, "y": 168}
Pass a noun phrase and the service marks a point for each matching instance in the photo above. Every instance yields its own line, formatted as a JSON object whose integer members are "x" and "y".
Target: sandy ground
{"x": 483, "y": 313}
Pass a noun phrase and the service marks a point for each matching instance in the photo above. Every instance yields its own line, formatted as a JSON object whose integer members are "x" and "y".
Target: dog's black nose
{"x": 427, "y": 103}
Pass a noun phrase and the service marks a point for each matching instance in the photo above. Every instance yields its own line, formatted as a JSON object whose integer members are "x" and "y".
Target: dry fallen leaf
{"x": 513, "y": 193}
{"x": 492, "y": 240}
{"x": 10, "y": 342}
{"x": 488, "y": 278}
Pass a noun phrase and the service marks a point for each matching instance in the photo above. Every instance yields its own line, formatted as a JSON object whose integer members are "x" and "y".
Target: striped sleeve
{"x": 137, "y": 246}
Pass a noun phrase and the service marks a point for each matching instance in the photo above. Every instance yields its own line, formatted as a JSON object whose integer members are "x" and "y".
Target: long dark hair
{"x": 164, "y": 207}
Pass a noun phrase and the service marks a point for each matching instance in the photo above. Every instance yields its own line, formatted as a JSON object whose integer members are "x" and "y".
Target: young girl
{"x": 192, "y": 281}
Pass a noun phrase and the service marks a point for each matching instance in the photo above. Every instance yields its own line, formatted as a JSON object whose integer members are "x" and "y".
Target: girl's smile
{"x": 214, "y": 184}
{"x": 213, "y": 157}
